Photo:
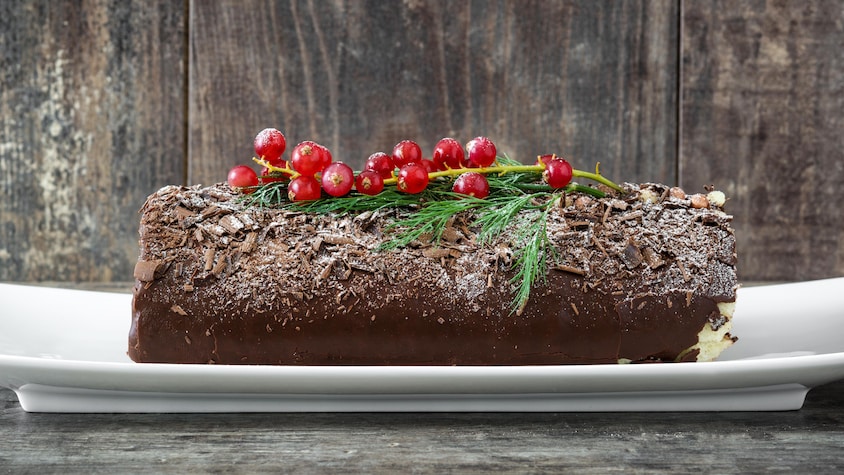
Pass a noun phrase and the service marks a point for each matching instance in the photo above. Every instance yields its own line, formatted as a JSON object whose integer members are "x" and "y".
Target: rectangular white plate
{"x": 65, "y": 351}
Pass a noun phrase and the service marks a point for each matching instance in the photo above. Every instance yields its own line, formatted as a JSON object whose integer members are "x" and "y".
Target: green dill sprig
{"x": 492, "y": 217}
{"x": 267, "y": 195}
{"x": 429, "y": 220}
{"x": 502, "y": 211}
{"x": 533, "y": 258}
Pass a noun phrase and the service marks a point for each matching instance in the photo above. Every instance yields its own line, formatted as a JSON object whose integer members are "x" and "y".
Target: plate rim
{"x": 806, "y": 370}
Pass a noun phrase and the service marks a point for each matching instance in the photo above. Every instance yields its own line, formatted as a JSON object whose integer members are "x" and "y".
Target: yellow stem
{"x": 598, "y": 178}
{"x": 500, "y": 169}
{"x": 272, "y": 168}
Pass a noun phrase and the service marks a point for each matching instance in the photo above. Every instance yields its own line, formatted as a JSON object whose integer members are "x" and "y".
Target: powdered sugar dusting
{"x": 276, "y": 258}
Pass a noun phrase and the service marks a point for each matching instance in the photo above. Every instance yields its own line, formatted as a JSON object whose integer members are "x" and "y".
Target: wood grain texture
{"x": 808, "y": 441}
{"x": 595, "y": 81}
{"x": 103, "y": 102}
{"x": 92, "y": 107}
{"x": 762, "y": 119}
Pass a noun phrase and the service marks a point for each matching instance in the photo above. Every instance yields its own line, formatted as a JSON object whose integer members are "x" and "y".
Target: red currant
{"x": 381, "y": 163}
{"x": 326, "y": 155}
{"x": 243, "y": 179}
{"x": 268, "y": 176}
{"x": 428, "y": 165}
{"x": 412, "y": 179}
{"x": 481, "y": 152}
{"x": 337, "y": 179}
{"x": 310, "y": 158}
{"x": 269, "y": 145}
{"x": 449, "y": 154}
{"x": 471, "y": 184}
{"x": 558, "y": 173}
{"x": 303, "y": 188}
{"x": 369, "y": 182}
{"x": 406, "y": 152}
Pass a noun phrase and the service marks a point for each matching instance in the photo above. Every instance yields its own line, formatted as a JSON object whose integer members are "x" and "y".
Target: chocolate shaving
{"x": 327, "y": 271}
{"x": 450, "y": 234}
{"x": 356, "y": 266}
{"x": 222, "y": 264}
{"x": 569, "y": 269}
{"x": 231, "y": 224}
{"x": 618, "y": 204}
{"x": 211, "y": 211}
{"x": 316, "y": 243}
{"x": 652, "y": 258}
{"x": 578, "y": 224}
{"x": 337, "y": 239}
{"x": 250, "y": 243}
{"x": 215, "y": 229}
{"x": 600, "y": 246}
{"x": 209, "y": 258}
{"x": 630, "y": 215}
{"x": 305, "y": 259}
{"x": 631, "y": 256}
{"x": 348, "y": 272}
{"x": 436, "y": 252}
{"x": 686, "y": 276}
{"x": 148, "y": 271}
{"x": 185, "y": 217}
{"x": 178, "y": 309}
{"x": 606, "y": 215}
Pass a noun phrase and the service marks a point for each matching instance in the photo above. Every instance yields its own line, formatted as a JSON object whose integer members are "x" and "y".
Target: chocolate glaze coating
{"x": 222, "y": 283}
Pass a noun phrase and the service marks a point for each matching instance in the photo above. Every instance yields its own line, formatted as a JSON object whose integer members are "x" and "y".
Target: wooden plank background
{"x": 763, "y": 118}
{"x": 92, "y": 110}
{"x": 103, "y": 102}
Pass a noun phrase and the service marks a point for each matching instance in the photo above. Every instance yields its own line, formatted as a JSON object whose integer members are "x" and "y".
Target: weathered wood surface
{"x": 595, "y": 81}
{"x": 762, "y": 118}
{"x": 807, "y": 441}
{"x": 102, "y": 103}
{"x": 92, "y": 113}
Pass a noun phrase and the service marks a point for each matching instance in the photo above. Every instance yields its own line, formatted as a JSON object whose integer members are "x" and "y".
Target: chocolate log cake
{"x": 647, "y": 275}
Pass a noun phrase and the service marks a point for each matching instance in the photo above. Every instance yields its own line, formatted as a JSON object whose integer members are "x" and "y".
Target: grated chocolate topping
{"x": 203, "y": 248}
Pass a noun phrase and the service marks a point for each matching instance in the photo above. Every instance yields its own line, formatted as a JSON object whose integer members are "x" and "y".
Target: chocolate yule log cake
{"x": 414, "y": 266}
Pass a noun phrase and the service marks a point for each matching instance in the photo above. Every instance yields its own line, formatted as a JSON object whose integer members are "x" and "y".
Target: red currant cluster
{"x": 312, "y": 170}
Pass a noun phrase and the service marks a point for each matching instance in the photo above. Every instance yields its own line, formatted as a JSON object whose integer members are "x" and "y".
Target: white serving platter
{"x": 65, "y": 351}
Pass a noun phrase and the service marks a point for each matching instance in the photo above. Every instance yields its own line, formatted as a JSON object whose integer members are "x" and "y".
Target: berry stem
{"x": 597, "y": 177}
{"x": 285, "y": 169}
{"x": 502, "y": 169}
{"x": 484, "y": 170}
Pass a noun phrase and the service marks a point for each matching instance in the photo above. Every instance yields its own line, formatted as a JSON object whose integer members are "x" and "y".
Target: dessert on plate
{"x": 467, "y": 258}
